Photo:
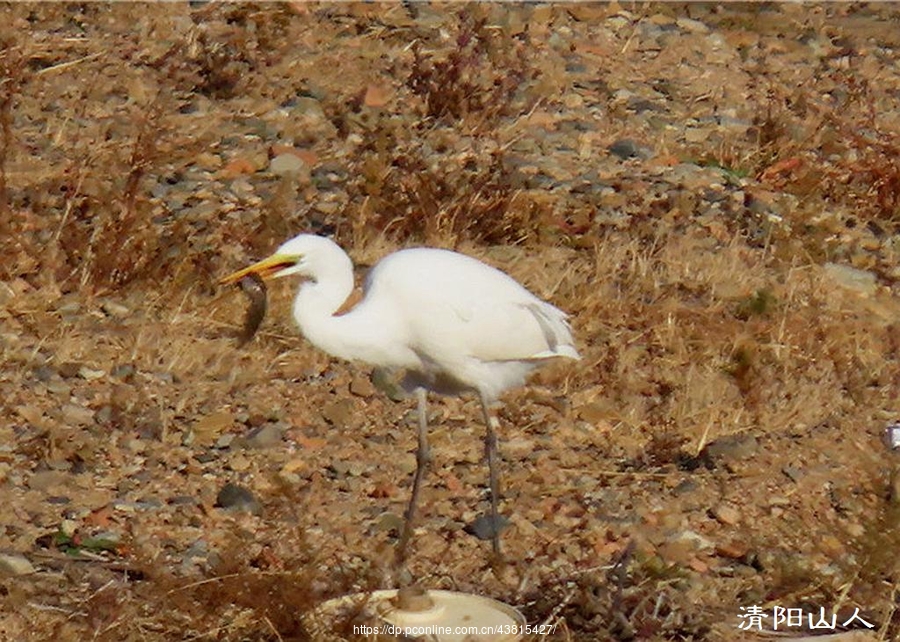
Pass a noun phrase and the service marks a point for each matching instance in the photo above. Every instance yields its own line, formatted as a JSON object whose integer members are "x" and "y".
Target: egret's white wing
{"x": 456, "y": 306}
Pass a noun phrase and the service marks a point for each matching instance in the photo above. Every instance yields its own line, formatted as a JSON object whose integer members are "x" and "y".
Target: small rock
{"x": 69, "y": 369}
{"x": 390, "y": 522}
{"x": 362, "y": 387}
{"x": 793, "y": 473}
{"x": 237, "y": 167}
{"x": 288, "y": 164}
{"x": 308, "y": 156}
{"x": 224, "y": 441}
{"x": 235, "y": 498}
{"x": 205, "y": 457}
{"x": 44, "y": 373}
{"x": 122, "y": 370}
{"x": 343, "y": 468}
{"x": 733, "y": 549}
{"x": 266, "y": 436}
{"x": 691, "y": 26}
{"x": 238, "y": 463}
{"x": 377, "y": 96}
{"x": 115, "y": 310}
{"x": 256, "y": 419}
{"x": 675, "y": 552}
{"x": 206, "y": 430}
{"x": 338, "y": 413}
{"x": 861, "y": 281}
{"x": 686, "y": 486}
{"x": 733, "y": 447}
{"x": 14, "y": 565}
{"x": 484, "y": 527}
{"x": 89, "y": 374}
{"x": 626, "y": 148}
{"x": 208, "y": 160}
{"x": 59, "y": 388}
{"x": 697, "y": 541}
{"x": 696, "y": 134}
{"x": 68, "y": 527}
{"x": 726, "y": 514}
{"x": 76, "y": 415}
{"x": 32, "y": 414}
{"x": 104, "y": 414}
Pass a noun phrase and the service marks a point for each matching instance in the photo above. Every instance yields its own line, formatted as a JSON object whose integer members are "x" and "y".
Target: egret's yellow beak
{"x": 267, "y": 268}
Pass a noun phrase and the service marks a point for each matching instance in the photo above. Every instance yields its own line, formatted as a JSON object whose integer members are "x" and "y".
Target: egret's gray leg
{"x": 423, "y": 456}
{"x": 490, "y": 447}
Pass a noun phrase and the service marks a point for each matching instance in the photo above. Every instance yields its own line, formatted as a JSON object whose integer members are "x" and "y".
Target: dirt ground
{"x": 712, "y": 193}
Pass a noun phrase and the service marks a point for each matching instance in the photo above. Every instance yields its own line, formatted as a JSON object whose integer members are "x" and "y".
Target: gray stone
{"x": 236, "y": 498}
{"x": 13, "y": 565}
{"x": 288, "y": 164}
{"x": 484, "y": 526}
{"x": 626, "y": 148}
{"x": 266, "y": 436}
{"x": 861, "y": 281}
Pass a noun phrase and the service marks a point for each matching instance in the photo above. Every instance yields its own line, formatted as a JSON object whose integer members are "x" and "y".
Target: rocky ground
{"x": 711, "y": 192}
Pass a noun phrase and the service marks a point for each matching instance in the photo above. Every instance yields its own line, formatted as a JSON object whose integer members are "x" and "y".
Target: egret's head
{"x": 301, "y": 255}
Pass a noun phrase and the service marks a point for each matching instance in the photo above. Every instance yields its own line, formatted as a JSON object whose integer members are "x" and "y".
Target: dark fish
{"x": 255, "y": 289}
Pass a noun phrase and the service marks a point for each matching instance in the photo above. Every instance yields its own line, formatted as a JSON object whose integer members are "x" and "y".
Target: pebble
{"x": 44, "y": 373}
{"x": 339, "y": 413}
{"x": 626, "y": 148}
{"x": 233, "y": 497}
{"x": 238, "y": 463}
{"x": 483, "y": 527}
{"x": 89, "y": 374}
{"x": 726, "y": 514}
{"x": 69, "y": 369}
{"x": 675, "y": 552}
{"x": 288, "y": 164}
{"x": 733, "y": 447}
{"x": 14, "y": 565}
{"x": 224, "y": 442}
{"x": 328, "y": 176}
{"x": 46, "y": 479}
{"x": 390, "y": 522}
{"x": 861, "y": 281}
{"x": 115, "y": 310}
{"x": 122, "y": 370}
{"x": 345, "y": 468}
{"x": 362, "y": 386}
{"x": 206, "y": 430}
{"x": 691, "y": 26}
{"x": 793, "y": 473}
{"x": 268, "y": 435}
{"x": 732, "y": 549}
{"x": 697, "y": 541}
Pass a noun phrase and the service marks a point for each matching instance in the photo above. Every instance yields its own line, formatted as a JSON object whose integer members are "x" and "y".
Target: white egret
{"x": 451, "y": 322}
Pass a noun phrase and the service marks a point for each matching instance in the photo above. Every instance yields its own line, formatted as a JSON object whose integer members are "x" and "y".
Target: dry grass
{"x": 691, "y": 331}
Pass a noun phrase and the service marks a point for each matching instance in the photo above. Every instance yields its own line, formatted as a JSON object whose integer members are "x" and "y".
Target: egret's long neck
{"x": 348, "y": 336}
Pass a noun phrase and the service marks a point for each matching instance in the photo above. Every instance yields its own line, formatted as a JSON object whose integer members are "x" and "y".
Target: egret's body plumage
{"x": 444, "y": 317}
{"x": 451, "y": 322}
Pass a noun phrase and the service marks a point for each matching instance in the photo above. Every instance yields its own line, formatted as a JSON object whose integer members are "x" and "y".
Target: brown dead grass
{"x": 687, "y": 337}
